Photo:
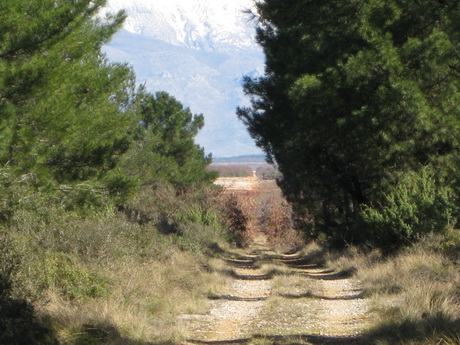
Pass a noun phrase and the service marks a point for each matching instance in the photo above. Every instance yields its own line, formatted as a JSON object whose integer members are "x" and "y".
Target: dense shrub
{"x": 412, "y": 207}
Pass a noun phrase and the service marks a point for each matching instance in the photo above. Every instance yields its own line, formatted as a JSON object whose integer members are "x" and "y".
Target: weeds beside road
{"x": 414, "y": 295}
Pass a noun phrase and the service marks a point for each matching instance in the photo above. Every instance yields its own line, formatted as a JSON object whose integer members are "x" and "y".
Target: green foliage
{"x": 356, "y": 94}
{"x": 72, "y": 122}
{"x": 76, "y": 140}
{"x": 164, "y": 149}
{"x": 414, "y": 206}
{"x": 66, "y": 250}
{"x": 196, "y": 214}
{"x": 450, "y": 244}
{"x": 198, "y": 228}
{"x": 93, "y": 261}
{"x": 64, "y": 273}
{"x": 64, "y": 108}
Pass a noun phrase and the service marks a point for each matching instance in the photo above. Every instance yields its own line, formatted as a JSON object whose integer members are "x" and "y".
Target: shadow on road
{"x": 294, "y": 339}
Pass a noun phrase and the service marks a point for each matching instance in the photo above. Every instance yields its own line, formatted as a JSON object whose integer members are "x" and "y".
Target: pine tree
{"x": 165, "y": 150}
{"x": 356, "y": 94}
{"x": 64, "y": 108}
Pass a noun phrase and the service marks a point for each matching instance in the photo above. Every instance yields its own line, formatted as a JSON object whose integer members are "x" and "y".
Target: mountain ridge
{"x": 205, "y": 76}
{"x": 197, "y": 24}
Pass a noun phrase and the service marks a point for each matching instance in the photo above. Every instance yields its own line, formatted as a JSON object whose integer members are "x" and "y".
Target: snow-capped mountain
{"x": 198, "y": 51}
{"x": 198, "y": 24}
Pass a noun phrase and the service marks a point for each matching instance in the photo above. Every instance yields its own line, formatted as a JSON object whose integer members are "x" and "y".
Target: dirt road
{"x": 277, "y": 298}
{"x": 281, "y": 299}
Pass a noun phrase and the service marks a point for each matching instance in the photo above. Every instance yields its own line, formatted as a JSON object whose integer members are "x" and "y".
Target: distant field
{"x": 254, "y": 161}
{"x": 244, "y": 166}
{"x": 264, "y": 172}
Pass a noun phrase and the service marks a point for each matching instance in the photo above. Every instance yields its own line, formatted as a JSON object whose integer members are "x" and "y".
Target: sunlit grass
{"x": 414, "y": 295}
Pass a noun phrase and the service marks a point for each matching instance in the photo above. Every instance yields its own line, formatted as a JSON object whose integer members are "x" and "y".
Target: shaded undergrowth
{"x": 294, "y": 339}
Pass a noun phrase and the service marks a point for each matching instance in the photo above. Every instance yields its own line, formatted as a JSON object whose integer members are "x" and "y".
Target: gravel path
{"x": 343, "y": 309}
{"x": 232, "y": 319}
{"x": 301, "y": 305}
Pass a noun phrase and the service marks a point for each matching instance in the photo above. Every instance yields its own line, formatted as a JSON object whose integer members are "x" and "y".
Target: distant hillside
{"x": 256, "y": 159}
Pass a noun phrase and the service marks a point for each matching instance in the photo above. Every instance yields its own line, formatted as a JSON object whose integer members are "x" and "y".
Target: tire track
{"x": 330, "y": 311}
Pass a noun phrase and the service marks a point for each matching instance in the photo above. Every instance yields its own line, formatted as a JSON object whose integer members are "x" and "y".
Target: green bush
{"x": 450, "y": 244}
{"x": 64, "y": 273}
{"x": 414, "y": 206}
{"x": 198, "y": 228}
{"x": 196, "y": 214}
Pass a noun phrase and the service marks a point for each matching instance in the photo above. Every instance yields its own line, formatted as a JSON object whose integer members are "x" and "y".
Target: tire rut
{"x": 325, "y": 307}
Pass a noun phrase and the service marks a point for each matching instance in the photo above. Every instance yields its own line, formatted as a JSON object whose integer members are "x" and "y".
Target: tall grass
{"x": 415, "y": 294}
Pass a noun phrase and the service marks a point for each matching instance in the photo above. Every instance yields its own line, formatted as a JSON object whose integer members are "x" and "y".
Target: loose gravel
{"x": 330, "y": 308}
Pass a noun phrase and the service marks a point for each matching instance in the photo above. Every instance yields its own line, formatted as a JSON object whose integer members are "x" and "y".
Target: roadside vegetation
{"x": 414, "y": 293}
{"x": 106, "y": 205}
{"x": 102, "y": 278}
{"x": 358, "y": 107}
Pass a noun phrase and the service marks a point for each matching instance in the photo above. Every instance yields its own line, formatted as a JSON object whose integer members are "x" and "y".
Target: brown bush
{"x": 231, "y": 170}
{"x": 261, "y": 210}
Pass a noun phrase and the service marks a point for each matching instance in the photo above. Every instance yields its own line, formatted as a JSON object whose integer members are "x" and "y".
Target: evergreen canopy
{"x": 70, "y": 119}
{"x": 356, "y": 95}
{"x": 165, "y": 149}
{"x": 61, "y": 101}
